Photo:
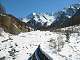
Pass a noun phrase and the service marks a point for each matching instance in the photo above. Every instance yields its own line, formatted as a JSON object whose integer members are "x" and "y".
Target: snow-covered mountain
{"x": 25, "y": 19}
{"x": 36, "y": 20}
{"x": 67, "y": 17}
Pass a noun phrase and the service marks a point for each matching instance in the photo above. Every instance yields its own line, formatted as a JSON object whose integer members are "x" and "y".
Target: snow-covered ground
{"x": 22, "y": 46}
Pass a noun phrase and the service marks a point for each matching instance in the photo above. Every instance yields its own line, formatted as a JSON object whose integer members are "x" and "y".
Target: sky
{"x": 22, "y": 8}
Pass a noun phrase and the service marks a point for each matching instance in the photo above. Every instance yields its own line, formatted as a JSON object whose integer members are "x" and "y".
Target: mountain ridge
{"x": 38, "y": 20}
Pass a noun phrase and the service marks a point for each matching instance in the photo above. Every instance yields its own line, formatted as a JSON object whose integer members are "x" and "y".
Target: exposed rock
{"x": 12, "y": 24}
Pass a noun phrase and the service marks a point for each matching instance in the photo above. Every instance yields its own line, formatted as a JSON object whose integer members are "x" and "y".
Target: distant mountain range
{"x": 39, "y": 20}
{"x": 43, "y": 21}
{"x": 36, "y": 21}
{"x": 67, "y": 21}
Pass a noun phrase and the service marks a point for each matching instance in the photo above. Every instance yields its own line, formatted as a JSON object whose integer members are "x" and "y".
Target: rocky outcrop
{"x": 12, "y": 24}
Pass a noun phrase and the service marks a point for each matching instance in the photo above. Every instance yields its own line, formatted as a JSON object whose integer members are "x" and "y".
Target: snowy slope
{"x": 22, "y": 46}
{"x": 42, "y": 18}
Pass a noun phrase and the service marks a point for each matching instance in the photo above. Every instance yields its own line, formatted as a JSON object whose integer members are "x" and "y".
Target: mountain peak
{"x": 39, "y": 19}
{"x": 33, "y": 13}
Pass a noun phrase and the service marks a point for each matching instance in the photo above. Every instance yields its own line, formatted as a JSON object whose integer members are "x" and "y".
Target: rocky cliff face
{"x": 12, "y": 24}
